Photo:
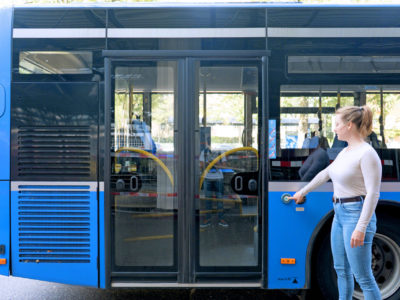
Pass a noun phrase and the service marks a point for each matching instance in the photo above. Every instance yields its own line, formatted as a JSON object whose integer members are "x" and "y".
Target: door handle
{"x": 239, "y": 183}
{"x": 120, "y": 185}
{"x": 252, "y": 185}
{"x": 134, "y": 183}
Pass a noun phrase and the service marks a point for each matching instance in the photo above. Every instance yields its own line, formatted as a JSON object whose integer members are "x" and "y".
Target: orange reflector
{"x": 288, "y": 261}
{"x": 3, "y": 261}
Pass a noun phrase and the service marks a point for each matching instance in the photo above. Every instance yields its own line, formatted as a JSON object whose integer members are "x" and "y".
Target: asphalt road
{"x": 25, "y": 289}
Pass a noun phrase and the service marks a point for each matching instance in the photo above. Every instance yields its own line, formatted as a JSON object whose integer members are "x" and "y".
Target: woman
{"x": 356, "y": 175}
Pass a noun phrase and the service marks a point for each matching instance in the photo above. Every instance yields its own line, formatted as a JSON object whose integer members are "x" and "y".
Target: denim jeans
{"x": 212, "y": 187}
{"x": 352, "y": 261}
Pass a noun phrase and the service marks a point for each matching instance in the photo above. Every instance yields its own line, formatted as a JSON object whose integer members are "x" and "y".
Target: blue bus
{"x": 152, "y": 145}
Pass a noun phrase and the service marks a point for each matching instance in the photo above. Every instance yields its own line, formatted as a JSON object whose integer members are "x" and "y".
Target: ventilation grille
{"x": 54, "y": 151}
{"x": 54, "y": 224}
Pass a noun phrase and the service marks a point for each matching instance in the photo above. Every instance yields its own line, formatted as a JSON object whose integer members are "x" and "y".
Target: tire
{"x": 385, "y": 262}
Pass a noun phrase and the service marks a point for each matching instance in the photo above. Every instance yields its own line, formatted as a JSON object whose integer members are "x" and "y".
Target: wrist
{"x": 360, "y": 229}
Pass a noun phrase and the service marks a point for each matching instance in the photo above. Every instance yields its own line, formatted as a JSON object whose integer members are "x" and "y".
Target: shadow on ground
{"x": 19, "y": 288}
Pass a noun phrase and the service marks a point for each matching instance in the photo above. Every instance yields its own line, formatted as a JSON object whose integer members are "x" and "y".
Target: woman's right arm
{"x": 318, "y": 180}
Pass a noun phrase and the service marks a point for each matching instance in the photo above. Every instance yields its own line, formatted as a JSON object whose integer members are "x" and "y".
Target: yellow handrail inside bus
{"x": 218, "y": 158}
{"x": 153, "y": 157}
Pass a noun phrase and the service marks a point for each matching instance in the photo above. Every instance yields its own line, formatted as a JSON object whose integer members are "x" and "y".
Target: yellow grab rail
{"x": 153, "y": 157}
{"x": 219, "y": 157}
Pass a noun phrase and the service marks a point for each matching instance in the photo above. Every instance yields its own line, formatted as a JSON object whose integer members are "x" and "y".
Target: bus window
{"x": 143, "y": 165}
{"x": 385, "y": 137}
{"x": 307, "y": 117}
{"x": 307, "y": 112}
{"x": 55, "y": 62}
{"x": 343, "y": 64}
{"x": 228, "y": 154}
{"x": 386, "y": 106}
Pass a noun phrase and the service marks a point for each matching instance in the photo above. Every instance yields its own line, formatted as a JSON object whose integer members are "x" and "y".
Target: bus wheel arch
{"x": 320, "y": 246}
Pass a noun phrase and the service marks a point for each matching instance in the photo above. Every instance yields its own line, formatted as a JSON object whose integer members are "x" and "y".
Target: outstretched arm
{"x": 318, "y": 180}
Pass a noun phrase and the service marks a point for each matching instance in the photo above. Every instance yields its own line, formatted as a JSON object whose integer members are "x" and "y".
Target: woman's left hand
{"x": 357, "y": 238}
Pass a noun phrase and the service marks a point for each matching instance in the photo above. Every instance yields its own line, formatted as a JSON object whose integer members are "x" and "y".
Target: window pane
{"x": 228, "y": 150}
{"x": 143, "y": 183}
{"x": 307, "y": 113}
{"x": 55, "y": 62}
{"x": 386, "y": 125}
{"x": 344, "y": 64}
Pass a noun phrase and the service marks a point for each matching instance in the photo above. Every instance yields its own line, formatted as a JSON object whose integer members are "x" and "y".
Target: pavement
{"x": 13, "y": 288}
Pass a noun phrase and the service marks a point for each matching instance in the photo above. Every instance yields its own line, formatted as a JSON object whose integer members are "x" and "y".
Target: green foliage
{"x": 387, "y": 126}
{"x": 225, "y": 140}
{"x": 122, "y": 108}
{"x": 225, "y": 109}
{"x": 304, "y": 125}
{"x": 391, "y": 116}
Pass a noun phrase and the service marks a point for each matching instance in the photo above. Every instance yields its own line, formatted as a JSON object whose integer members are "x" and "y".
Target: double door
{"x": 184, "y": 166}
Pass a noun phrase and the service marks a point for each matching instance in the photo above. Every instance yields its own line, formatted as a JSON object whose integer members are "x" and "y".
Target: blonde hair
{"x": 361, "y": 116}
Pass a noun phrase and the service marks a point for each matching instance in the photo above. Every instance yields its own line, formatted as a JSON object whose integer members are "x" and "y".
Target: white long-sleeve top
{"x": 354, "y": 172}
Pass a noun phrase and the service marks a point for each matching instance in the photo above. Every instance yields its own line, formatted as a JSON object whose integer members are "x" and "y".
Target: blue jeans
{"x": 212, "y": 187}
{"x": 352, "y": 261}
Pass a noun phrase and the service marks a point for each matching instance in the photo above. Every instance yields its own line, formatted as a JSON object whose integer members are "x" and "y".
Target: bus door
{"x": 183, "y": 195}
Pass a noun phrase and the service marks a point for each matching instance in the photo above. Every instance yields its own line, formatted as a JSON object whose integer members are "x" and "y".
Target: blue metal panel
{"x": 54, "y": 233}
{"x": 5, "y": 225}
{"x": 390, "y": 196}
{"x": 102, "y": 248}
{"x": 5, "y": 80}
{"x": 289, "y": 233}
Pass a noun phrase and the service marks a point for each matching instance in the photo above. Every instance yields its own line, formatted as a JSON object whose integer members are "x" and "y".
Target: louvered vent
{"x": 54, "y": 224}
{"x": 54, "y": 151}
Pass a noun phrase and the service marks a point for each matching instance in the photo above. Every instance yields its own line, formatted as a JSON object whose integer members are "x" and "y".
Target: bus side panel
{"x": 54, "y": 186}
{"x": 102, "y": 248}
{"x": 5, "y": 79}
{"x": 64, "y": 248}
{"x": 290, "y": 228}
{"x": 4, "y": 227}
{"x": 390, "y": 196}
